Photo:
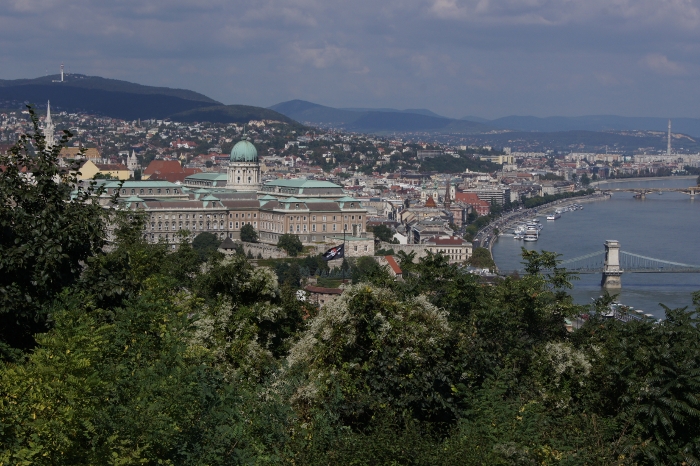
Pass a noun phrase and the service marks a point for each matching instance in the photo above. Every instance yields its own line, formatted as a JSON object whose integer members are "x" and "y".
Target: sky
{"x": 487, "y": 58}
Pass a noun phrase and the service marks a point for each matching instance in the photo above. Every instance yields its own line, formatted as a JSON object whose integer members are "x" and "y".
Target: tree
{"x": 366, "y": 269}
{"x": 481, "y": 259}
{"x": 355, "y": 364}
{"x": 125, "y": 388}
{"x": 46, "y": 235}
{"x": 248, "y": 234}
{"x": 205, "y": 244}
{"x": 290, "y": 243}
{"x": 382, "y": 232}
{"x": 585, "y": 180}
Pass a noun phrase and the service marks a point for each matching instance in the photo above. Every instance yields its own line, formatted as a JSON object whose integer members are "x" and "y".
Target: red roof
{"x": 430, "y": 202}
{"x": 163, "y": 166}
{"x": 449, "y": 241}
{"x": 392, "y": 263}
{"x": 168, "y": 170}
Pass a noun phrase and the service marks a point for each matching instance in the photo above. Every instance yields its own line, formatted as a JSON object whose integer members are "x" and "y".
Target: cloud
{"x": 457, "y": 57}
{"x": 662, "y": 65}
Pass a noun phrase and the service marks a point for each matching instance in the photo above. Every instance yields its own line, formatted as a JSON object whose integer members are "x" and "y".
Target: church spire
{"x": 49, "y": 128}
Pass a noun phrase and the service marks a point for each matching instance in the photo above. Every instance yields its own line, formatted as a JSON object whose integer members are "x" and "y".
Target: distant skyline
{"x": 484, "y": 58}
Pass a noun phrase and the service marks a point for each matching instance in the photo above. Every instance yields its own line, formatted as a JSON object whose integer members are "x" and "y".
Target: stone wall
{"x": 354, "y": 247}
{"x": 267, "y": 251}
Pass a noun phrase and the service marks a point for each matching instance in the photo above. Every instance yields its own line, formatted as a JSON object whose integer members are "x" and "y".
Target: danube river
{"x": 664, "y": 226}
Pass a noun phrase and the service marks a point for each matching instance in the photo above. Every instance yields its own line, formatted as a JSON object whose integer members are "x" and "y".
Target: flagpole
{"x": 345, "y": 228}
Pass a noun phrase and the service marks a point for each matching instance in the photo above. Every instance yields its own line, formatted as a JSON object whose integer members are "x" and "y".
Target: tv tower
{"x": 59, "y": 80}
{"x": 668, "y": 144}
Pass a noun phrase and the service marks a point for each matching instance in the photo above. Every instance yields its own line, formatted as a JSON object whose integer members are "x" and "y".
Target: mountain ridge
{"x": 129, "y": 101}
{"x": 382, "y": 120}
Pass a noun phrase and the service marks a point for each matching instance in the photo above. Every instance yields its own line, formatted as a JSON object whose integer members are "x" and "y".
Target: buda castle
{"x": 222, "y": 203}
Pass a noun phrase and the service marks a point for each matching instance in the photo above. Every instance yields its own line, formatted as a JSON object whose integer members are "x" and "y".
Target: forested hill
{"x": 385, "y": 120}
{"x": 81, "y": 81}
{"x": 128, "y": 101}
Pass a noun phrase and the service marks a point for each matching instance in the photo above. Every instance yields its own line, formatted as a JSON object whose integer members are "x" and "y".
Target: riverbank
{"x": 486, "y": 237}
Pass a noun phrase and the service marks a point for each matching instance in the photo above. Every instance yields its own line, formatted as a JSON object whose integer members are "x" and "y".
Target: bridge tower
{"x": 611, "y": 269}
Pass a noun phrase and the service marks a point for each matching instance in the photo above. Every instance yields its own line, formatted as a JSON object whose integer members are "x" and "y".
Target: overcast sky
{"x": 487, "y": 58}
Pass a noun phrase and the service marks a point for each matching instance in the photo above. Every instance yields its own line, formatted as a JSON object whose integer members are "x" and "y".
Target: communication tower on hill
{"x": 59, "y": 80}
{"x": 668, "y": 144}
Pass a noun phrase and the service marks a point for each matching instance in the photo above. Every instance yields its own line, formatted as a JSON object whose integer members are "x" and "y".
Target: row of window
{"x": 150, "y": 191}
{"x": 209, "y": 216}
{"x": 209, "y": 225}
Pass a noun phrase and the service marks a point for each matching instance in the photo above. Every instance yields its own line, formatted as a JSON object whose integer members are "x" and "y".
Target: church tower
{"x": 244, "y": 168}
{"x": 49, "y": 128}
{"x": 132, "y": 162}
{"x": 447, "y": 201}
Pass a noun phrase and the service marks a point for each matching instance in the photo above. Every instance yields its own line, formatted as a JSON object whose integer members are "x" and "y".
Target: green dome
{"x": 244, "y": 151}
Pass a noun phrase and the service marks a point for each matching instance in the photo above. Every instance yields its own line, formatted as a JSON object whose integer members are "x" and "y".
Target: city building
{"x": 457, "y": 249}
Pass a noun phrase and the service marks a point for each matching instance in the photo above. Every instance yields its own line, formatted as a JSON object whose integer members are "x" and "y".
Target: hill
{"x": 690, "y": 126}
{"x": 129, "y": 101}
{"x": 309, "y": 112}
{"x": 231, "y": 114}
{"x": 81, "y": 81}
{"x": 380, "y": 120}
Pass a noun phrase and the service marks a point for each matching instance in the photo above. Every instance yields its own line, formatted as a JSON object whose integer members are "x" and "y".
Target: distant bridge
{"x": 629, "y": 263}
{"x": 611, "y": 263}
{"x": 641, "y": 193}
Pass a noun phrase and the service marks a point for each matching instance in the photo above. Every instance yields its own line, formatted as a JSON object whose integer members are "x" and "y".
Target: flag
{"x": 337, "y": 252}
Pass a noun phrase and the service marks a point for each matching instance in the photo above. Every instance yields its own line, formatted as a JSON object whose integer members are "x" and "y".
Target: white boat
{"x": 554, "y": 216}
{"x": 531, "y": 235}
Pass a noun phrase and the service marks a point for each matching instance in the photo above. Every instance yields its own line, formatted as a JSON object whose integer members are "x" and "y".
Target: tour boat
{"x": 554, "y": 216}
{"x": 531, "y": 235}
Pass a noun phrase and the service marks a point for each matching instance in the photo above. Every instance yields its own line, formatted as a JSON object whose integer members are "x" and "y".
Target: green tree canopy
{"x": 46, "y": 234}
{"x": 481, "y": 258}
{"x": 382, "y": 232}
{"x": 290, "y": 243}
{"x": 205, "y": 244}
{"x": 248, "y": 234}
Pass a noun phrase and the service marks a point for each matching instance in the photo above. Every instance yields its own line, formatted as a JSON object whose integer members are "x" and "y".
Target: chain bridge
{"x": 613, "y": 262}
{"x": 641, "y": 193}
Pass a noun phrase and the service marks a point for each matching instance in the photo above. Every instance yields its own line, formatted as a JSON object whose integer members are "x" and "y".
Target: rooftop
{"x": 302, "y": 183}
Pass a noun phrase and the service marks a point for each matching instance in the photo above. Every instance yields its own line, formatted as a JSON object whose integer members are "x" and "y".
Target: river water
{"x": 664, "y": 226}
